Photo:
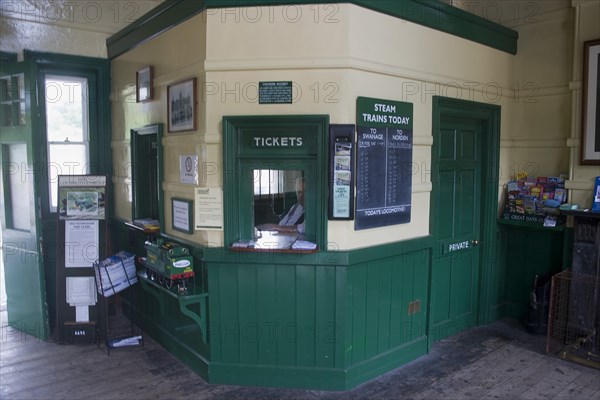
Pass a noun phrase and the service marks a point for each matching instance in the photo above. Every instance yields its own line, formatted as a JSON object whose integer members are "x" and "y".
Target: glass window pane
{"x": 19, "y": 187}
{"x": 280, "y": 200}
{"x": 65, "y": 159}
{"x": 66, "y": 114}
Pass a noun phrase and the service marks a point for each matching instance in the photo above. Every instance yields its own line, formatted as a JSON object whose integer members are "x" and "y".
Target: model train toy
{"x": 168, "y": 264}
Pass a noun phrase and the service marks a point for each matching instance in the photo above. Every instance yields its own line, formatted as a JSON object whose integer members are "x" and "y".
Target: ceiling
{"x": 111, "y": 16}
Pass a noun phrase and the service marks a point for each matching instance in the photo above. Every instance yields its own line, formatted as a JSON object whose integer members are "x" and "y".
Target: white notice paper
{"x": 82, "y": 313}
{"x": 209, "y": 208}
{"x": 81, "y": 243}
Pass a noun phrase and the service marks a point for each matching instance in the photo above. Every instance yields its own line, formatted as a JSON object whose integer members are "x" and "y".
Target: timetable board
{"x": 384, "y": 150}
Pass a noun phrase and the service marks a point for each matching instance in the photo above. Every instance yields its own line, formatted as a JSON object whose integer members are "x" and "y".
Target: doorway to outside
{"x": 465, "y": 173}
{"x": 54, "y": 120}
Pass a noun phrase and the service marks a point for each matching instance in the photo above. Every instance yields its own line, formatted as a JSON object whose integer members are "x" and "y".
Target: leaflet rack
{"x": 112, "y": 276}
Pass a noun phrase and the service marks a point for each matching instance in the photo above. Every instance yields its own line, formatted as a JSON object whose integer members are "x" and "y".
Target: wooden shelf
{"x": 194, "y": 295}
{"x": 531, "y": 225}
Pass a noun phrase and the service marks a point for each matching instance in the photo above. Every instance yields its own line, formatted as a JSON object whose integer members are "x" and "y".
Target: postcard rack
{"x": 112, "y": 276}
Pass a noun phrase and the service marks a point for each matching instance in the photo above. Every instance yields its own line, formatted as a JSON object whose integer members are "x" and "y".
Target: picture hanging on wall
{"x": 181, "y": 107}
{"x": 144, "y": 82}
{"x": 590, "y": 122}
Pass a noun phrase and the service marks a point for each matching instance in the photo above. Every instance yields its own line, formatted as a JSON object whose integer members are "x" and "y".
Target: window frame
{"x": 240, "y": 158}
{"x": 85, "y": 134}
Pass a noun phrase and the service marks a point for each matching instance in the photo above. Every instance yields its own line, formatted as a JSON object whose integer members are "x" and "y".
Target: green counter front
{"x": 528, "y": 250}
{"x": 326, "y": 320}
{"x": 320, "y": 320}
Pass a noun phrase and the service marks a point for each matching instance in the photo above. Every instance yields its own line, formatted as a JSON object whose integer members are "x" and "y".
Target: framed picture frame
{"x": 590, "y": 121}
{"x": 182, "y": 215}
{"x": 181, "y": 106}
{"x": 144, "y": 83}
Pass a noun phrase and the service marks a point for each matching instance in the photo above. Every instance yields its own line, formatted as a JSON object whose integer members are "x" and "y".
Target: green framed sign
{"x": 182, "y": 215}
{"x": 384, "y": 154}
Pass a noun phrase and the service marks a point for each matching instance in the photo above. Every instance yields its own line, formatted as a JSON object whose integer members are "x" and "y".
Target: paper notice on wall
{"x": 81, "y": 243}
{"x": 82, "y": 313}
{"x": 208, "y": 213}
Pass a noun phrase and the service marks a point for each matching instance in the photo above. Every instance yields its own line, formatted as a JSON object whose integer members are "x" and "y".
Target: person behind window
{"x": 293, "y": 220}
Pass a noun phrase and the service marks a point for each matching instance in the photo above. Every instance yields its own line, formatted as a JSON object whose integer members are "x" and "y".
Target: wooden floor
{"x": 498, "y": 361}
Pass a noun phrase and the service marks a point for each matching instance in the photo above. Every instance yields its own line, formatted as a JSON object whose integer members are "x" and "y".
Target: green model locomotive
{"x": 168, "y": 263}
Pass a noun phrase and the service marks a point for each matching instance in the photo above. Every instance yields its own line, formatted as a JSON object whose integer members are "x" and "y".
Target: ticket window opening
{"x": 279, "y": 202}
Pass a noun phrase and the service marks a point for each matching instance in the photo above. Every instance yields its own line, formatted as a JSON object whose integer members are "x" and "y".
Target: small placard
{"x": 188, "y": 169}
{"x": 182, "y": 215}
{"x": 209, "y": 208}
{"x": 275, "y": 92}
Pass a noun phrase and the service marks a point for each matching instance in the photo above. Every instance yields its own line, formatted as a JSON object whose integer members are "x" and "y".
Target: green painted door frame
{"x": 488, "y": 117}
{"x": 97, "y": 71}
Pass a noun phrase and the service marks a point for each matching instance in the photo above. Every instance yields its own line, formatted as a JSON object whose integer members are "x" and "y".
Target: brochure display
{"x": 536, "y": 200}
{"x": 81, "y": 240}
{"x": 113, "y": 275}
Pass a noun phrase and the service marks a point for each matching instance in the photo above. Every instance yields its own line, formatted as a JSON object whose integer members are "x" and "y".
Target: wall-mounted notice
{"x": 279, "y": 92}
{"x": 81, "y": 243}
{"x": 383, "y": 162}
{"x": 209, "y": 208}
{"x": 188, "y": 169}
{"x": 81, "y": 196}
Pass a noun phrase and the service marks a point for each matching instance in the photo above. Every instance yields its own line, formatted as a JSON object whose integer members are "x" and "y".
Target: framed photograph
{"x": 181, "y": 107}
{"x": 181, "y": 211}
{"x": 590, "y": 122}
{"x": 144, "y": 84}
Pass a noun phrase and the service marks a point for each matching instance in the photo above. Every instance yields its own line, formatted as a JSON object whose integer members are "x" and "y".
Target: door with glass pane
{"x": 66, "y": 108}
{"x": 22, "y": 257}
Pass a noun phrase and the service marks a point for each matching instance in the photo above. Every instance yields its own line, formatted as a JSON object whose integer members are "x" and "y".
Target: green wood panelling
{"x": 279, "y": 323}
{"x": 329, "y": 320}
{"x": 431, "y": 13}
{"x": 528, "y": 250}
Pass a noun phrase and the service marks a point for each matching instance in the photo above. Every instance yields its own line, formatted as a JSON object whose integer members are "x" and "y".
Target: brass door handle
{"x": 475, "y": 242}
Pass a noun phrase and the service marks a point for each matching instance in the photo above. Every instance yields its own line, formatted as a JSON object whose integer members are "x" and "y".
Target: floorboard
{"x": 498, "y": 361}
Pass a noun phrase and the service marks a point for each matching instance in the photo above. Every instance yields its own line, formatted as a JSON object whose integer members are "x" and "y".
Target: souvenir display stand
{"x": 113, "y": 276}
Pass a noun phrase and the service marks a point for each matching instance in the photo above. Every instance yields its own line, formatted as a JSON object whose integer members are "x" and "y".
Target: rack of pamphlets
{"x": 536, "y": 200}
{"x": 113, "y": 275}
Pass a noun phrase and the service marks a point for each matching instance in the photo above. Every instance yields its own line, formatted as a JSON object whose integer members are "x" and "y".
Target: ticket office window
{"x": 278, "y": 199}
{"x": 265, "y": 159}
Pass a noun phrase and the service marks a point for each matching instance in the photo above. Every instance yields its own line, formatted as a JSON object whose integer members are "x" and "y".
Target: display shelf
{"x": 530, "y": 225}
{"x": 186, "y": 300}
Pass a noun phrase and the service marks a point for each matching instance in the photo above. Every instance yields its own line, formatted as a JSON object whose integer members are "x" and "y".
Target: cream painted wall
{"x": 175, "y": 55}
{"x": 354, "y": 52}
{"x": 540, "y": 124}
{"x": 334, "y": 54}
{"x": 587, "y": 27}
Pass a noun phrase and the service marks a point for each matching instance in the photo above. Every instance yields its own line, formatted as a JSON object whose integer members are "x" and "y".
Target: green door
{"x": 457, "y": 227}
{"x": 21, "y": 227}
